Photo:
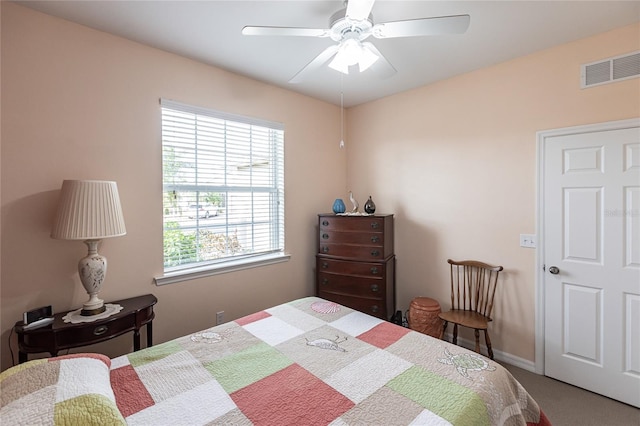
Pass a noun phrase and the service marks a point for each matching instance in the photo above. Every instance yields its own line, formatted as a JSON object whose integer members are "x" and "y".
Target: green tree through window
{"x": 223, "y": 186}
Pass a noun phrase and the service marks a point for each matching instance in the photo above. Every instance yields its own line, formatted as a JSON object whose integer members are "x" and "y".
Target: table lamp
{"x": 89, "y": 210}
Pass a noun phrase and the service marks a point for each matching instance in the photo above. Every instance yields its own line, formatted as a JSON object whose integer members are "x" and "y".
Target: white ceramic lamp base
{"x": 92, "y": 270}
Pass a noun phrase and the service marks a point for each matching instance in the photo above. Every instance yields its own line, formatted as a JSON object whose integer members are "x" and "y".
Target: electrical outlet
{"x": 220, "y": 317}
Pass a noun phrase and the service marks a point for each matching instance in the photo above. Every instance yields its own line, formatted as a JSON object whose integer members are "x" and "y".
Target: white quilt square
{"x": 366, "y": 375}
{"x": 296, "y": 317}
{"x": 272, "y": 330}
{"x": 180, "y": 369}
{"x": 355, "y": 323}
{"x": 426, "y": 417}
{"x": 36, "y": 408}
{"x": 120, "y": 361}
{"x": 81, "y": 376}
{"x": 198, "y": 406}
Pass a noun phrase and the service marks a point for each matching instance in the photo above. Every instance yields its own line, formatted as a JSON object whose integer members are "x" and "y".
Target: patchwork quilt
{"x": 66, "y": 390}
{"x": 314, "y": 362}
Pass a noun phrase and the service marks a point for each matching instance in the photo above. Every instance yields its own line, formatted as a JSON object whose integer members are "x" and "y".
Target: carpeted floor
{"x": 566, "y": 405}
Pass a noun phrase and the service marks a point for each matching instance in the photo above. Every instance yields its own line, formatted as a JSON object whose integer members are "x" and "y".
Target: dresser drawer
{"x": 351, "y": 285}
{"x": 351, "y": 223}
{"x": 373, "y": 307}
{"x": 364, "y": 269}
{"x": 349, "y": 251}
{"x": 95, "y": 334}
{"x": 360, "y": 238}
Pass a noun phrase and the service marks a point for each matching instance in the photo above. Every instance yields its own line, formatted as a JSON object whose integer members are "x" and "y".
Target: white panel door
{"x": 591, "y": 252}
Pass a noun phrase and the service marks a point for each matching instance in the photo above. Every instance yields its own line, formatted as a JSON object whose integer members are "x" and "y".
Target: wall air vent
{"x": 611, "y": 70}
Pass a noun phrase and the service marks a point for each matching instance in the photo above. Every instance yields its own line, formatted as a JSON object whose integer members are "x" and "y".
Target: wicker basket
{"x": 423, "y": 316}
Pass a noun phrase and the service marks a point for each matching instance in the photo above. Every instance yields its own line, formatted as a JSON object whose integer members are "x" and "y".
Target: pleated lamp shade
{"x": 88, "y": 210}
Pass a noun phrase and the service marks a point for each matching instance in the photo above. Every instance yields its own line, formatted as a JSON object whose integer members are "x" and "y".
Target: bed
{"x": 306, "y": 362}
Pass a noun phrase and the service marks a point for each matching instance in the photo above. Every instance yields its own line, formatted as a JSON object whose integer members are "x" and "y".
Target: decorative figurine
{"x": 338, "y": 206}
{"x": 370, "y": 206}
{"x": 354, "y": 202}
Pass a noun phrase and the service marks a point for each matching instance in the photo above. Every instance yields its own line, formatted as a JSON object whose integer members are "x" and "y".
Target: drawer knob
{"x": 374, "y": 308}
{"x": 325, "y": 249}
{"x": 325, "y": 236}
{"x": 375, "y": 239}
{"x": 325, "y": 265}
{"x": 325, "y": 223}
{"x": 375, "y": 253}
{"x": 374, "y": 287}
{"x": 325, "y": 281}
{"x": 374, "y": 225}
{"x": 374, "y": 271}
{"x": 98, "y": 331}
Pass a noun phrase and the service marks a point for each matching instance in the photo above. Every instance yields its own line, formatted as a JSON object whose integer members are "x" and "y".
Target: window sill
{"x": 223, "y": 268}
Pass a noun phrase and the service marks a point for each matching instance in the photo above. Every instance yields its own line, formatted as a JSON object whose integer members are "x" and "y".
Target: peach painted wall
{"x": 0, "y": 172}
{"x": 456, "y": 162}
{"x": 82, "y": 104}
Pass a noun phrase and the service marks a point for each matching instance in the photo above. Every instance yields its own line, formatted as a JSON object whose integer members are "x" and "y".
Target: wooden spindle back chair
{"x": 473, "y": 287}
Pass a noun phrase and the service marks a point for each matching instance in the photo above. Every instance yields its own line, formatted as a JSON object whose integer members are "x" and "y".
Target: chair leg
{"x": 444, "y": 328}
{"x": 477, "y": 334}
{"x": 486, "y": 338}
{"x": 455, "y": 334}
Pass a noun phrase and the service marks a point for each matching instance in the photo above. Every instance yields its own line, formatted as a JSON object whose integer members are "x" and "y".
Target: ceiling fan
{"x": 350, "y": 26}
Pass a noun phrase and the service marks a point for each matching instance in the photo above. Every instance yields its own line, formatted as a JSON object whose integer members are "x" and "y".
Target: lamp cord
{"x": 13, "y": 362}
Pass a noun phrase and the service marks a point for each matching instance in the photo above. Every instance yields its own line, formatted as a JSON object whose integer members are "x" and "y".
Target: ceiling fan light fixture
{"x": 339, "y": 65}
{"x": 348, "y": 54}
{"x": 352, "y": 52}
{"x": 367, "y": 58}
{"x": 350, "y": 26}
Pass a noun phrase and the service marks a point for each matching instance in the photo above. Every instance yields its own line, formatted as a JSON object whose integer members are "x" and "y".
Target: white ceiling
{"x": 210, "y": 32}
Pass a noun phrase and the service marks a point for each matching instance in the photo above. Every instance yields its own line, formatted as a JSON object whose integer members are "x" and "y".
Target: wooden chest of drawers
{"x": 355, "y": 264}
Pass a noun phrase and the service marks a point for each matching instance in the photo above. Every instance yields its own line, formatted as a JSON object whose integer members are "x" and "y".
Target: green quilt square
{"x": 449, "y": 400}
{"x": 243, "y": 368}
{"x": 154, "y": 353}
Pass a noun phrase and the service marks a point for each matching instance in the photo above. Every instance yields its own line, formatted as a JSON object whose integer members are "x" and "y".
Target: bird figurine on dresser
{"x": 354, "y": 202}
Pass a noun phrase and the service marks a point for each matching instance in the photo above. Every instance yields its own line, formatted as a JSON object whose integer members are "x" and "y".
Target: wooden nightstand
{"x": 57, "y": 336}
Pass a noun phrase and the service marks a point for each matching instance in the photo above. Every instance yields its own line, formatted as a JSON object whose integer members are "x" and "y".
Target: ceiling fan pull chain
{"x": 341, "y": 111}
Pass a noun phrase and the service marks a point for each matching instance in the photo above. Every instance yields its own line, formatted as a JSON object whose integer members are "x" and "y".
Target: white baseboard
{"x": 498, "y": 355}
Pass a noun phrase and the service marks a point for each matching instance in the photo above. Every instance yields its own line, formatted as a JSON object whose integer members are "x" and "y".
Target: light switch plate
{"x": 528, "y": 240}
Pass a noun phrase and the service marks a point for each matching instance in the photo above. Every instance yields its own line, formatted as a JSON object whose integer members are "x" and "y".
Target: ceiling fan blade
{"x": 382, "y": 67}
{"x": 315, "y": 64}
{"x": 285, "y": 31}
{"x": 457, "y": 24}
{"x": 359, "y": 10}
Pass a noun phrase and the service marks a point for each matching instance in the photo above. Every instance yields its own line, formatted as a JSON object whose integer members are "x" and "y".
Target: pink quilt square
{"x": 131, "y": 394}
{"x": 291, "y": 396}
{"x": 253, "y": 318}
{"x": 383, "y": 335}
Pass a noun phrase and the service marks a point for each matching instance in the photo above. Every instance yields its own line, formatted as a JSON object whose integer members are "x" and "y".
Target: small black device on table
{"x": 59, "y": 335}
{"x": 37, "y": 317}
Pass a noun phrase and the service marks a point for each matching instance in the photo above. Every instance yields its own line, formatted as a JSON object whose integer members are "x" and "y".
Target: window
{"x": 223, "y": 190}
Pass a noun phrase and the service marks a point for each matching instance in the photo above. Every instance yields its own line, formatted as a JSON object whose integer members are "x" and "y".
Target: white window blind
{"x": 223, "y": 187}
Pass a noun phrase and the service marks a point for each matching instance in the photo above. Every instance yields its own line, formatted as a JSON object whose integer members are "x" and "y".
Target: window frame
{"x": 200, "y": 269}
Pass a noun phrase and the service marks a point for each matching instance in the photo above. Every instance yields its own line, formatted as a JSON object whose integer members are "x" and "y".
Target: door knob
{"x": 554, "y": 270}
